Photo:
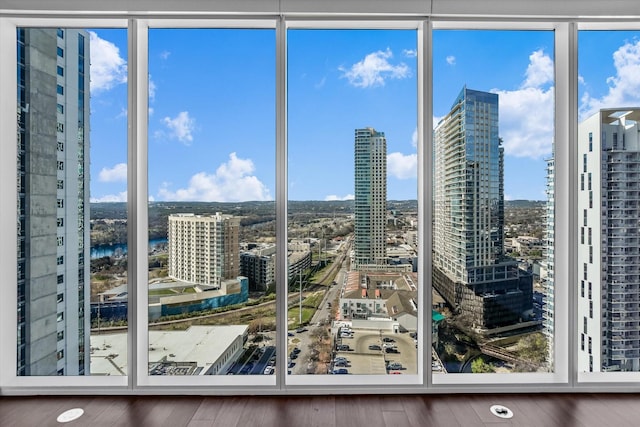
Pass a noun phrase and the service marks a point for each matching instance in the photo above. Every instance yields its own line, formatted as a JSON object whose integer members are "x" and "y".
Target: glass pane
{"x": 71, "y": 107}
{"x": 211, "y": 202}
{"x": 352, "y": 234}
{"x": 608, "y": 202}
{"x": 493, "y": 226}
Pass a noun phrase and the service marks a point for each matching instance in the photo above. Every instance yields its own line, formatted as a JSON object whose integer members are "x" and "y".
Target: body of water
{"x": 120, "y": 249}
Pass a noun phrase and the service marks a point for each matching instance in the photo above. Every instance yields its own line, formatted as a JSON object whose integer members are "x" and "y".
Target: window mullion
{"x": 137, "y": 202}
{"x": 281, "y": 201}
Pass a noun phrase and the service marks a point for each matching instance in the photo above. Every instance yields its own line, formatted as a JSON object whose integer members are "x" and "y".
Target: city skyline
{"x": 339, "y": 73}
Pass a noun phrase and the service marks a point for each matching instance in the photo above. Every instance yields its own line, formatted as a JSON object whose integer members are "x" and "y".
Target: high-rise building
{"x": 53, "y": 202}
{"x": 370, "y": 197}
{"x": 204, "y": 249}
{"x": 548, "y": 279}
{"x": 609, "y": 241}
{"x": 259, "y": 266}
{"x": 471, "y": 270}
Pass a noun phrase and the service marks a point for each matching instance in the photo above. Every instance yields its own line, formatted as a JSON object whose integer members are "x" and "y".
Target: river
{"x": 120, "y": 248}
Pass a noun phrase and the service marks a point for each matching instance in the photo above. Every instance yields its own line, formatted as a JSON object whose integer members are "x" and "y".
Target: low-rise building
{"x": 199, "y": 350}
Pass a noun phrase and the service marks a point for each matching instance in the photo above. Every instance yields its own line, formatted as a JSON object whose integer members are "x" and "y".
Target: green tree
{"x": 479, "y": 366}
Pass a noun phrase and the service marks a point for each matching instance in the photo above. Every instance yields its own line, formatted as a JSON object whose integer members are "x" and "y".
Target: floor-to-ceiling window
{"x": 493, "y": 204}
{"x": 71, "y": 219}
{"x": 211, "y": 285}
{"x": 608, "y": 193}
{"x": 243, "y": 199}
{"x": 352, "y": 231}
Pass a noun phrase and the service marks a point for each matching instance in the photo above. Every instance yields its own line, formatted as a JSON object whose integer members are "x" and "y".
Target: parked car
{"x": 340, "y": 371}
{"x": 391, "y": 350}
{"x": 388, "y": 339}
{"x": 394, "y": 366}
{"x": 341, "y": 363}
{"x": 344, "y": 347}
{"x": 375, "y": 347}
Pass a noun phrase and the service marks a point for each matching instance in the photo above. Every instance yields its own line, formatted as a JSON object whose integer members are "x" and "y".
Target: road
{"x": 255, "y": 364}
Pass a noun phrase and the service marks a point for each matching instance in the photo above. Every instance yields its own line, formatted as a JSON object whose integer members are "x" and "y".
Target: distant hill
{"x": 254, "y": 208}
{"x": 524, "y": 204}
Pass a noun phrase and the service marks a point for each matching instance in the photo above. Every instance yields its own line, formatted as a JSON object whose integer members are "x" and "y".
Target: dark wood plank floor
{"x": 536, "y": 410}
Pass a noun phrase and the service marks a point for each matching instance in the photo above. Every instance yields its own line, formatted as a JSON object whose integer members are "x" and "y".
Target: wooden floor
{"x": 539, "y": 410}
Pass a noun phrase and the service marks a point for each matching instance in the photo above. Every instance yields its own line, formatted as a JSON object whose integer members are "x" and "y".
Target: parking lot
{"x": 373, "y": 361}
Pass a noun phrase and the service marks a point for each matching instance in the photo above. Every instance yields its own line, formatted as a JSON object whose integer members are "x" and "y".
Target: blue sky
{"x": 212, "y": 105}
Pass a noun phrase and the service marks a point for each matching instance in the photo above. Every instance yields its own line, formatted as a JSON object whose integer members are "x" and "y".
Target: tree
{"x": 479, "y": 366}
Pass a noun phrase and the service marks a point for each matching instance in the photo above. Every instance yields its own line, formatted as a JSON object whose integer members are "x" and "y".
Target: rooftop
{"x": 202, "y": 345}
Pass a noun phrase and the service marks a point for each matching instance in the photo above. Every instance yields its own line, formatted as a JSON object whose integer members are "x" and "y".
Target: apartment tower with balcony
{"x": 471, "y": 270}
{"x": 370, "y": 197}
{"x": 547, "y": 279}
{"x": 609, "y": 241}
{"x": 53, "y": 202}
{"x": 204, "y": 249}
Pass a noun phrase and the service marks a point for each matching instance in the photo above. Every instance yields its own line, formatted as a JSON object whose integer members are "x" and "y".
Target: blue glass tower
{"x": 470, "y": 268}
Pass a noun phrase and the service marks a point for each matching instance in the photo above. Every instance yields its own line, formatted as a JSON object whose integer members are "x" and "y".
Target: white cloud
{"x": 152, "y": 89}
{"x": 540, "y": 70}
{"x": 232, "y": 182}
{"x": 165, "y": 54}
{"x": 414, "y": 138}
{"x": 321, "y": 83}
{"x": 451, "y": 60}
{"x": 526, "y": 122}
{"x": 402, "y": 166}
{"x": 526, "y": 114}
{"x": 111, "y": 198}
{"x": 623, "y": 87}
{"x": 333, "y": 197}
{"x": 118, "y": 173}
{"x": 410, "y": 53}
{"x": 374, "y": 69}
{"x": 181, "y": 127}
{"x": 108, "y": 68}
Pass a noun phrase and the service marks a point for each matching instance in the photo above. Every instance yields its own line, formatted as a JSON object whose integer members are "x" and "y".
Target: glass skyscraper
{"x": 470, "y": 269}
{"x": 370, "y": 197}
